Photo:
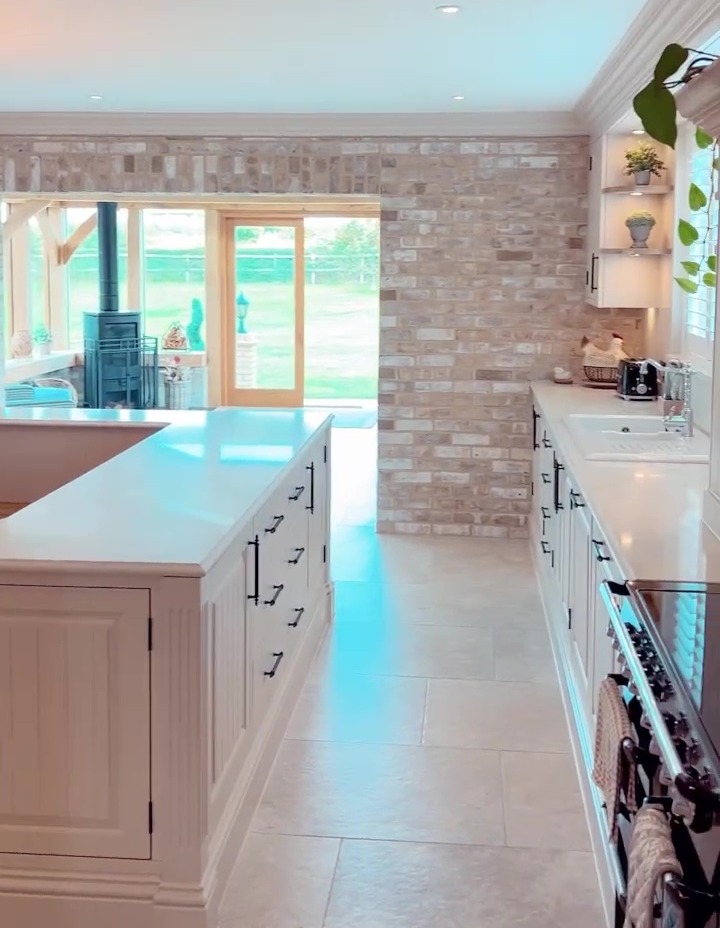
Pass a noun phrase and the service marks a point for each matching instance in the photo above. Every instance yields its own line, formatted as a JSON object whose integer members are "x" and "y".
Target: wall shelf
{"x": 637, "y": 252}
{"x": 640, "y": 191}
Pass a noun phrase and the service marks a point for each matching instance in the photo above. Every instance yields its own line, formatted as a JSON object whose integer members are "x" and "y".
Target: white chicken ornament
{"x": 598, "y": 357}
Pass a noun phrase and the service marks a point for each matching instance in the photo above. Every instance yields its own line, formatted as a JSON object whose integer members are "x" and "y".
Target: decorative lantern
{"x": 242, "y": 304}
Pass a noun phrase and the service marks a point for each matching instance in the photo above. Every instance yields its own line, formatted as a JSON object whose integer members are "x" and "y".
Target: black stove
{"x": 682, "y": 623}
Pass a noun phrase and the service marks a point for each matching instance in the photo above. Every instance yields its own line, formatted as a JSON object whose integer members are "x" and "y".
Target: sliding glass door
{"x": 263, "y": 312}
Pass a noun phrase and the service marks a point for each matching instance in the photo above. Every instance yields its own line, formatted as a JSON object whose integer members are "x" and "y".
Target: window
{"x": 699, "y": 318}
{"x": 174, "y": 266}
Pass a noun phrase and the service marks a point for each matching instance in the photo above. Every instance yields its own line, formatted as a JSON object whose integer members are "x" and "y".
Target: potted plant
{"x": 640, "y": 223}
{"x": 42, "y": 339}
{"x": 178, "y": 386}
{"x": 641, "y": 162}
{"x": 657, "y": 108}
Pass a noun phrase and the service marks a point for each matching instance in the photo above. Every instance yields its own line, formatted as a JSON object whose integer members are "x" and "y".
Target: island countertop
{"x": 166, "y": 505}
{"x": 650, "y": 512}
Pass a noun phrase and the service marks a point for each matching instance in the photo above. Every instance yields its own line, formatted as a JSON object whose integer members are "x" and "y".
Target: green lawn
{"x": 341, "y": 330}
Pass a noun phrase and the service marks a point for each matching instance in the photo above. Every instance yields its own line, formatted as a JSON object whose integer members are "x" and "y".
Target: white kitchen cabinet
{"x": 141, "y": 709}
{"x": 581, "y": 606}
{"x": 74, "y": 721}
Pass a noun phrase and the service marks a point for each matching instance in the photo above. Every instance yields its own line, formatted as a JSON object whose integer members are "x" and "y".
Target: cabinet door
{"x": 319, "y": 515}
{"x": 581, "y": 604}
{"x": 74, "y": 721}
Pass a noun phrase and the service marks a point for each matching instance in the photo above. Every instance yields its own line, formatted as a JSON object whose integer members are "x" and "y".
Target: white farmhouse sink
{"x": 635, "y": 438}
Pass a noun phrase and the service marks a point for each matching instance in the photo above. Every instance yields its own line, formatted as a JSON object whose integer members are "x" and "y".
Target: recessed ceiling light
{"x": 448, "y": 8}
{"x": 638, "y": 132}
{"x": 95, "y": 96}
{"x": 458, "y": 96}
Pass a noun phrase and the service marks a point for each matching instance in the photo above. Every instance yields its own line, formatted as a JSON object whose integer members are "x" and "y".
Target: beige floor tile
{"x": 433, "y": 604}
{"x": 380, "y": 884}
{"x": 542, "y": 802}
{"x": 387, "y": 792}
{"x": 357, "y": 707}
{"x": 523, "y": 655}
{"x": 280, "y": 881}
{"x": 496, "y": 716}
{"x": 406, "y": 651}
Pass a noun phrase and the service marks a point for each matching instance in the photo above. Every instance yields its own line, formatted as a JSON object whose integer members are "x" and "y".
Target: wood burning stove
{"x": 121, "y": 364}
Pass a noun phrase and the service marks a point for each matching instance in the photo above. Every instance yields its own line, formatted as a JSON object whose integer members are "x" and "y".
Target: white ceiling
{"x": 303, "y": 56}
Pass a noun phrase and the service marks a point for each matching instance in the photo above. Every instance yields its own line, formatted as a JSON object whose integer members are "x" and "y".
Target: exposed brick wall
{"x": 482, "y": 282}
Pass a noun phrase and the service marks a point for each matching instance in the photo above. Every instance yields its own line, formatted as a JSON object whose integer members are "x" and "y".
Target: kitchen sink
{"x": 635, "y": 438}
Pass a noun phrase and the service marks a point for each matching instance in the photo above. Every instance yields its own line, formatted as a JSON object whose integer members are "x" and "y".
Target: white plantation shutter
{"x": 700, "y": 307}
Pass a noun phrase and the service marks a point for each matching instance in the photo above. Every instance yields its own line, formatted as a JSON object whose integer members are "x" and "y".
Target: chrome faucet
{"x": 676, "y": 394}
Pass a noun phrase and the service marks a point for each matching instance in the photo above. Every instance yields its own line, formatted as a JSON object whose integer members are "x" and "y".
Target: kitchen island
{"x": 158, "y": 614}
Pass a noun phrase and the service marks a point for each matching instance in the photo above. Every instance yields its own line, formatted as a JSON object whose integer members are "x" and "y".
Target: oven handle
{"x": 664, "y": 742}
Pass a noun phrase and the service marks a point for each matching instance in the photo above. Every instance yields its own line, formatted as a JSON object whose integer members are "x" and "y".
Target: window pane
{"x": 38, "y": 276}
{"x": 174, "y": 268}
{"x": 83, "y": 276}
{"x": 700, "y": 318}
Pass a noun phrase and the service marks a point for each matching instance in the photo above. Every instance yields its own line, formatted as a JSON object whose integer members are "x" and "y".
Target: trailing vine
{"x": 656, "y": 107}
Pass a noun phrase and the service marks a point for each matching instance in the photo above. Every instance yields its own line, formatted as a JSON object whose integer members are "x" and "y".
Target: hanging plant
{"x": 656, "y": 107}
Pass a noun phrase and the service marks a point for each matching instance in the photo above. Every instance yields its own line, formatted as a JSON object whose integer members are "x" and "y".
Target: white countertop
{"x": 62, "y": 415}
{"x": 650, "y": 513}
{"x": 169, "y": 503}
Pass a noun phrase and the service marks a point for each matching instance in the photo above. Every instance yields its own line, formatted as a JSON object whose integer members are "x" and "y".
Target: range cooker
{"x": 667, "y": 640}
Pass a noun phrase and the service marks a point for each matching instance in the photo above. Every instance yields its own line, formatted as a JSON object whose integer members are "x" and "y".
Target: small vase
{"x": 43, "y": 349}
{"x": 21, "y": 344}
{"x": 640, "y": 234}
{"x": 642, "y": 178}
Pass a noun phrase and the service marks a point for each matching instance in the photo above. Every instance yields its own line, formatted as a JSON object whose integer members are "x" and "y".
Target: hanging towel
{"x": 651, "y": 856}
{"x": 613, "y": 727}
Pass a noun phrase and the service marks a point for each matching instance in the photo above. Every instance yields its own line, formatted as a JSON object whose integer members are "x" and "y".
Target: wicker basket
{"x": 601, "y": 374}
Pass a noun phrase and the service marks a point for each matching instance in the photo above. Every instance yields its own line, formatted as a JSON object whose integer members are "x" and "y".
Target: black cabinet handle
{"x": 593, "y": 285}
{"x": 298, "y": 615}
{"x": 535, "y": 423}
{"x": 298, "y": 554}
{"x": 255, "y": 597}
{"x": 311, "y": 468}
{"x": 546, "y": 442}
{"x": 545, "y": 512}
{"x": 576, "y": 501}
{"x": 278, "y": 587}
{"x": 278, "y": 655}
{"x": 546, "y": 478}
{"x": 599, "y": 545}
{"x": 557, "y": 467}
{"x": 545, "y": 547}
{"x": 277, "y": 522}
{"x": 297, "y": 494}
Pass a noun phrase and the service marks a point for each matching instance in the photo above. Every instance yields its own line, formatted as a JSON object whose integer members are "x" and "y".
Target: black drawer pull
{"x": 298, "y": 554}
{"x": 255, "y": 597}
{"x": 278, "y": 587}
{"x": 546, "y": 478}
{"x": 599, "y": 545}
{"x": 546, "y": 442}
{"x": 278, "y": 655}
{"x": 545, "y": 512}
{"x": 576, "y": 501}
{"x": 298, "y": 615}
{"x": 545, "y": 547}
{"x": 297, "y": 494}
{"x": 277, "y": 522}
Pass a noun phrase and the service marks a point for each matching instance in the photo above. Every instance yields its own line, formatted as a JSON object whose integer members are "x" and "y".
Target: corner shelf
{"x": 640, "y": 191}
{"x": 637, "y": 252}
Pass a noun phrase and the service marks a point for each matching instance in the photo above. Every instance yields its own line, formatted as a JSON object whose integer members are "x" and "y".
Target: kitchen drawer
{"x": 607, "y": 567}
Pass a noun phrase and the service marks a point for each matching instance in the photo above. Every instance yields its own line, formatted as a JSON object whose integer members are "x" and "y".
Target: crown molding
{"x": 298, "y": 125}
{"x": 609, "y": 97}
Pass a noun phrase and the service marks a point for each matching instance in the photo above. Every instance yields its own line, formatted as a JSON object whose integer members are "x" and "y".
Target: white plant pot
{"x": 699, "y": 101}
{"x": 43, "y": 349}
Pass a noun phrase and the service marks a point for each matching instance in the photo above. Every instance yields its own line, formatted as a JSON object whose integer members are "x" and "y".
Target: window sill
{"x": 18, "y": 369}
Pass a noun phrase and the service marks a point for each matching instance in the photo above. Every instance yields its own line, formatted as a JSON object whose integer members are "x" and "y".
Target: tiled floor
{"x": 425, "y": 780}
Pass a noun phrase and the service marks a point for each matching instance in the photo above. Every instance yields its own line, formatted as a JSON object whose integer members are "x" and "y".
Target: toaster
{"x": 634, "y": 385}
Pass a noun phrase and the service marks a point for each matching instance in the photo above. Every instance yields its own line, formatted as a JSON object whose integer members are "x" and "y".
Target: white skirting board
{"x": 55, "y": 898}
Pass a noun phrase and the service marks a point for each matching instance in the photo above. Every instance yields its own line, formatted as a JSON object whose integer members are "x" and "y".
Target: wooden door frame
{"x": 230, "y": 394}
